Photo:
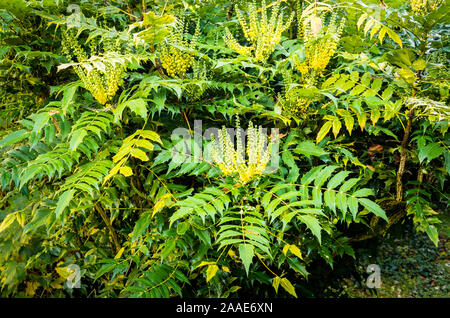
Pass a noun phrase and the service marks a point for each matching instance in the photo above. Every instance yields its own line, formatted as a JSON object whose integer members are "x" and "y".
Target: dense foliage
{"x": 107, "y": 160}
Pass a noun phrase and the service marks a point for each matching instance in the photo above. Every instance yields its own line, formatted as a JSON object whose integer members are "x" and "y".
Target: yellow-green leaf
{"x": 324, "y": 131}
{"x": 138, "y": 153}
{"x": 119, "y": 253}
{"x": 234, "y": 289}
{"x": 158, "y": 206}
{"x": 144, "y": 144}
{"x": 375, "y": 29}
{"x": 368, "y": 25}
{"x": 361, "y": 20}
{"x": 9, "y": 219}
{"x": 148, "y": 134}
{"x": 382, "y": 34}
{"x": 336, "y": 127}
{"x": 375, "y": 115}
{"x": 126, "y": 171}
{"x": 114, "y": 170}
{"x": 205, "y": 264}
{"x": 123, "y": 151}
{"x": 348, "y": 119}
{"x": 276, "y": 283}
{"x": 286, "y": 248}
{"x": 395, "y": 37}
{"x": 358, "y": 89}
{"x": 64, "y": 272}
{"x": 419, "y": 64}
{"x": 286, "y": 284}
{"x": 211, "y": 272}
{"x": 296, "y": 251}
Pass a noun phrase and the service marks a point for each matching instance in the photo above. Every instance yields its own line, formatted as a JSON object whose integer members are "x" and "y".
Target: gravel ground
{"x": 410, "y": 266}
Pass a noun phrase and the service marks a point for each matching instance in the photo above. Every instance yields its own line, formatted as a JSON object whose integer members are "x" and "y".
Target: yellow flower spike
{"x": 303, "y": 68}
{"x": 320, "y": 46}
{"x": 263, "y": 33}
{"x": 292, "y": 101}
{"x": 422, "y": 7}
{"x": 175, "y": 61}
{"x": 103, "y": 85}
{"x": 231, "y": 161}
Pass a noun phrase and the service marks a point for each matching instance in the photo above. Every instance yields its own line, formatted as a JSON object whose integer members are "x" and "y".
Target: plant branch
{"x": 108, "y": 224}
{"x": 401, "y": 167}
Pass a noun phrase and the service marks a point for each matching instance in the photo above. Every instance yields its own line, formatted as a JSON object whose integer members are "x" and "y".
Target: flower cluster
{"x": 320, "y": 44}
{"x": 293, "y": 104}
{"x": 423, "y": 7}
{"x": 232, "y": 160}
{"x": 262, "y": 32}
{"x": 299, "y": 10}
{"x": 199, "y": 74}
{"x": 104, "y": 84}
{"x": 176, "y": 53}
{"x": 295, "y": 99}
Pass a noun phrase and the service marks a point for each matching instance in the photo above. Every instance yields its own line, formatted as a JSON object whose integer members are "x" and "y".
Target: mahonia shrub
{"x": 120, "y": 164}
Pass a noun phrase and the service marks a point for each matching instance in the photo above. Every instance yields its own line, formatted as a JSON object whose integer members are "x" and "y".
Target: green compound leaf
{"x": 246, "y": 253}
